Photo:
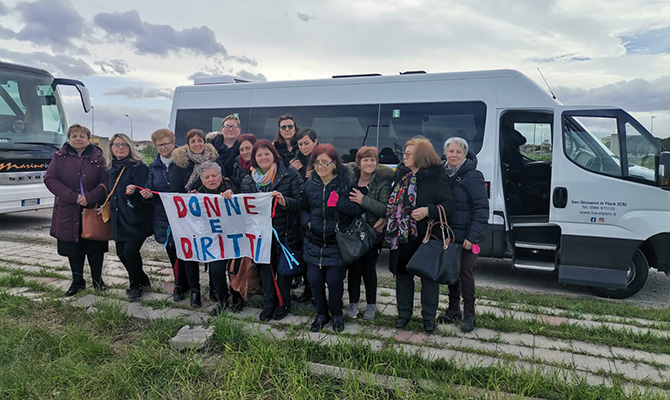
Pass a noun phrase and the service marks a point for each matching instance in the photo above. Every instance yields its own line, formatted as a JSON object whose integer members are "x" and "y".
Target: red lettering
{"x": 212, "y": 205}
{"x": 223, "y": 253}
{"x": 248, "y": 207}
{"x": 251, "y": 238}
{"x": 181, "y": 206}
{"x": 186, "y": 247}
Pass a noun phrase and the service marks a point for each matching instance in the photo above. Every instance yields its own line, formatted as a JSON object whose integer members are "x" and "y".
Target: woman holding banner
{"x": 185, "y": 177}
{"x": 131, "y": 214}
{"x": 77, "y": 176}
{"x": 270, "y": 175}
{"x": 325, "y": 203}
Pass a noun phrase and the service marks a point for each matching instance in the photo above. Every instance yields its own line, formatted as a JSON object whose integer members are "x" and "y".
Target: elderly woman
{"x": 270, "y": 175}
{"x": 77, "y": 176}
{"x": 242, "y": 166}
{"x": 325, "y": 203}
{"x": 211, "y": 181}
{"x": 285, "y": 141}
{"x": 420, "y": 186}
{"x": 226, "y": 143}
{"x": 185, "y": 177}
{"x": 371, "y": 190}
{"x": 131, "y": 214}
{"x": 469, "y": 223}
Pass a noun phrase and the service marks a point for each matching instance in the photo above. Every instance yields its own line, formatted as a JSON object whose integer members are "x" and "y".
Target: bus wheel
{"x": 638, "y": 272}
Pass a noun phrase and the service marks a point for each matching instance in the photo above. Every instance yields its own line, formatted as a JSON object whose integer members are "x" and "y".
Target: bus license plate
{"x": 30, "y": 202}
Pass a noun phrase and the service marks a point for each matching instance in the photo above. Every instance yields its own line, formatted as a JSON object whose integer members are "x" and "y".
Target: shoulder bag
{"x": 95, "y": 222}
{"x": 356, "y": 239}
{"x": 438, "y": 260}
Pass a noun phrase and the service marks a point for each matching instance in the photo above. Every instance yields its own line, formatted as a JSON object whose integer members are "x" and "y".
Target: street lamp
{"x": 131, "y": 127}
{"x": 93, "y": 120}
{"x": 652, "y": 124}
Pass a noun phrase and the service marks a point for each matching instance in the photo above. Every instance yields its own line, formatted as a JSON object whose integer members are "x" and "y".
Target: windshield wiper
{"x": 54, "y": 145}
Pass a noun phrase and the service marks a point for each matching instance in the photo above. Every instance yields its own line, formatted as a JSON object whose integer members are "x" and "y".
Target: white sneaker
{"x": 352, "y": 310}
{"x": 370, "y": 312}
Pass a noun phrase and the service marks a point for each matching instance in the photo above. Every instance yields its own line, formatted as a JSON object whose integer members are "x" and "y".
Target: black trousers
{"x": 465, "y": 286}
{"x": 180, "y": 280}
{"x": 131, "y": 258}
{"x": 365, "y": 267}
{"x": 192, "y": 273}
{"x": 334, "y": 278}
{"x": 217, "y": 279}
{"x": 95, "y": 252}
{"x": 266, "y": 273}
{"x": 430, "y": 291}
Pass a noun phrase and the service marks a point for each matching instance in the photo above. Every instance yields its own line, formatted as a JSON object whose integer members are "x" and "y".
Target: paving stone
{"x": 116, "y": 281}
{"x": 553, "y": 356}
{"x": 638, "y": 371}
{"x": 592, "y": 364}
{"x": 89, "y": 300}
{"x": 191, "y": 337}
{"x": 17, "y": 290}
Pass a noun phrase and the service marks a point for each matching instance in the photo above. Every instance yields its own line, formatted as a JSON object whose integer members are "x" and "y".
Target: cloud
{"x": 561, "y": 58}
{"x": 653, "y": 41}
{"x": 114, "y": 67}
{"x": 3, "y": 9}
{"x": 242, "y": 60}
{"x": 54, "y": 23}
{"x": 137, "y": 92}
{"x": 253, "y": 77}
{"x": 160, "y": 40}
{"x": 69, "y": 66}
{"x": 634, "y": 95}
{"x": 305, "y": 17}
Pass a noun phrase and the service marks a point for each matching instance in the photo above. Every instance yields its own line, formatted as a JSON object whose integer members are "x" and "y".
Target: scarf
{"x": 166, "y": 161}
{"x": 451, "y": 171}
{"x": 401, "y": 226}
{"x": 264, "y": 179}
{"x": 197, "y": 160}
{"x": 246, "y": 166}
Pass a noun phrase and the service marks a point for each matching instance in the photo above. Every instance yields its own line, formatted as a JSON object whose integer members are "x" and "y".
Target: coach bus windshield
{"x": 31, "y": 111}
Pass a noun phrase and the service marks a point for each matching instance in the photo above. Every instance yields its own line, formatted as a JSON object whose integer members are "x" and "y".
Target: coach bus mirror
{"x": 664, "y": 170}
{"x": 83, "y": 91}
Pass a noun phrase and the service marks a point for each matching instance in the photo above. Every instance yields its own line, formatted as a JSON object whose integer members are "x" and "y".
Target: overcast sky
{"x": 132, "y": 54}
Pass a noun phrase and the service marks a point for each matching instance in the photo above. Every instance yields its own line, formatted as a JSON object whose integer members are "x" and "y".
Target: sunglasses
{"x": 286, "y": 127}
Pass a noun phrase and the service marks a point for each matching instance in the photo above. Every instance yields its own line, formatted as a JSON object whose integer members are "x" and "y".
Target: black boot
{"x": 74, "y": 289}
{"x": 196, "y": 301}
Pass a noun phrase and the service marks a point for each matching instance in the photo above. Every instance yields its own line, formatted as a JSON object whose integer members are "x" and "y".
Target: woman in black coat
{"x": 242, "y": 164}
{"x": 269, "y": 174}
{"x": 325, "y": 202}
{"x": 469, "y": 222}
{"x": 131, "y": 214}
{"x": 285, "y": 141}
{"x": 420, "y": 186}
{"x": 77, "y": 176}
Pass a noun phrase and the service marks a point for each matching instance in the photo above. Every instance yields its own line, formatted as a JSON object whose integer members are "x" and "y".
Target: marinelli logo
{"x": 22, "y": 166}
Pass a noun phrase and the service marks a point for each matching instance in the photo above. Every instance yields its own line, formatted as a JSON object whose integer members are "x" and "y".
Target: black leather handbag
{"x": 438, "y": 260}
{"x": 356, "y": 239}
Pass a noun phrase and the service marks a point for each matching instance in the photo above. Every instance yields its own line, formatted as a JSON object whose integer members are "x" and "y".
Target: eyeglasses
{"x": 230, "y": 127}
{"x": 163, "y": 145}
{"x": 322, "y": 165}
{"x": 286, "y": 127}
{"x": 119, "y": 145}
{"x": 407, "y": 154}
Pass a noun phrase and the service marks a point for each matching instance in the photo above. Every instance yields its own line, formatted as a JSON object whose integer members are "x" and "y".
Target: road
{"x": 33, "y": 226}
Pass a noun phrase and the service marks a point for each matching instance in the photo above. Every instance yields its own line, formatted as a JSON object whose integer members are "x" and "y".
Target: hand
{"x": 81, "y": 200}
{"x": 380, "y": 224}
{"x": 356, "y": 196}
{"x": 420, "y": 213}
{"x": 228, "y": 194}
{"x": 280, "y": 198}
{"x": 309, "y": 226}
{"x": 467, "y": 245}
{"x": 192, "y": 191}
{"x": 130, "y": 189}
{"x": 308, "y": 173}
{"x": 295, "y": 163}
{"x": 146, "y": 194}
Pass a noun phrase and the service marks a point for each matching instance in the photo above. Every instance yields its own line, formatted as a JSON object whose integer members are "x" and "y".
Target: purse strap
{"x": 447, "y": 232}
{"x": 114, "y": 188}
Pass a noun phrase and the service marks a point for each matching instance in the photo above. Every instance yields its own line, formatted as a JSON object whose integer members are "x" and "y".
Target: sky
{"x": 132, "y": 54}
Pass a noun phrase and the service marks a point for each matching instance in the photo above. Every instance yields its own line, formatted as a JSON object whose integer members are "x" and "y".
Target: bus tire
{"x": 638, "y": 272}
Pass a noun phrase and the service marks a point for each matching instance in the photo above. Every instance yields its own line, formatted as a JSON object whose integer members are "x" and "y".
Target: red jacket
{"x": 63, "y": 180}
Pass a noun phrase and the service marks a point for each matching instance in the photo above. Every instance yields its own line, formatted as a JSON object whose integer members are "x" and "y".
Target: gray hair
{"x": 456, "y": 139}
{"x": 210, "y": 165}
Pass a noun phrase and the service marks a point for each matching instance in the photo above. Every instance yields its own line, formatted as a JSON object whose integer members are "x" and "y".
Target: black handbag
{"x": 438, "y": 260}
{"x": 356, "y": 239}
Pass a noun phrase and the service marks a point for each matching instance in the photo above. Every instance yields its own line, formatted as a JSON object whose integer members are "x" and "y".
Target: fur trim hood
{"x": 180, "y": 157}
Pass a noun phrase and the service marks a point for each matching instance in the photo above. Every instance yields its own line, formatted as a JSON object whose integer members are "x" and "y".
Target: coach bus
{"x": 583, "y": 192}
{"x": 33, "y": 126}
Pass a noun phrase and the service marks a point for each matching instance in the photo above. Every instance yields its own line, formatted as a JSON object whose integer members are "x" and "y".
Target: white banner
{"x": 207, "y": 227}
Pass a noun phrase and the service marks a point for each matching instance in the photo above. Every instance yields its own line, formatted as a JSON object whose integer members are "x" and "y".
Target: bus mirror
{"x": 664, "y": 170}
{"x": 83, "y": 91}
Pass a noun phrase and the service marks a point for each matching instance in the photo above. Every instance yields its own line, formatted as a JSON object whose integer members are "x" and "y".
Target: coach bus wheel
{"x": 638, "y": 272}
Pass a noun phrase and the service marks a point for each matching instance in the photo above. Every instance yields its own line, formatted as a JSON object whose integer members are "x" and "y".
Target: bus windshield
{"x": 31, "y": 111}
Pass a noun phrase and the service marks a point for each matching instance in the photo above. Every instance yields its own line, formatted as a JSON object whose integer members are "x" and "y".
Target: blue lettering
{"x": 234, "y": 204}
{"x": 236, "y": 243}
{"x": 258, "y": 248}
{"x": 194, "y": 206}
{"x": 205, "y": 242}
{"x": 195, "y": 247}
{"x": 214, "y": 224}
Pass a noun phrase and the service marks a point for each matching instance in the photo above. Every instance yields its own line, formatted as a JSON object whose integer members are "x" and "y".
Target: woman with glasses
{"x": 131, "y": 213}
{"x": 242, "y": 165}
{"x": 77, "y": 176}
{"x": 185, "y": 177}
{"x": 226, "y": 143}
{"x": 270, "y": 175}
{"x": 420, "y": 185}
{"x": 325, "y": 203}
{"x": 285, "y": 141}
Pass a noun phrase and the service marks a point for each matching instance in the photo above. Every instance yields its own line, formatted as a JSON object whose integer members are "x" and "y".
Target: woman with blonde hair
{"x": 420, "y": 185}
{"x": 131, "y": 213}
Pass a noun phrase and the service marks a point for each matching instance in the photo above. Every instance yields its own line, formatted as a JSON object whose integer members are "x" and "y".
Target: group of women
{"x": 315, "y": 194}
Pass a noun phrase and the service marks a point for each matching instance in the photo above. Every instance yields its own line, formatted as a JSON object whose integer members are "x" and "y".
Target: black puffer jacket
{"x": 470, "y": 219}
{"x": 227, "y": 155}
{"x": 286, "y": 220}
{"x": 238, "y": 174}
{"x": 320, "y": 245}
{"x": 131, "y": 215}
{"x": 159, "y": 181}
{"x": 286, "y": 155}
